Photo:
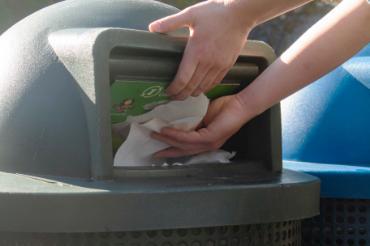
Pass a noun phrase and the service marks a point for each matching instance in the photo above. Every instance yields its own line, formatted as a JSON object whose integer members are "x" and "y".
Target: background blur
{"x": 279, "y": 33}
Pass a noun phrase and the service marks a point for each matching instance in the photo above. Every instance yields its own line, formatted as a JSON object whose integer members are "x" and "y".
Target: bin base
{"x": 61, "y": 205}
{"x": 342, "y": 222}
{"x": 281, "y": 233}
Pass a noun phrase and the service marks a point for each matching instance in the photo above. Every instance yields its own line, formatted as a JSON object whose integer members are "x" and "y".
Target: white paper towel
{"x": 138, "y": 148}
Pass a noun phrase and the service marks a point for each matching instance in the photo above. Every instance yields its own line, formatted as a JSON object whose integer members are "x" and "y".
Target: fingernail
{"x": 179, "y": 97}
{"x": 155, "y": 27}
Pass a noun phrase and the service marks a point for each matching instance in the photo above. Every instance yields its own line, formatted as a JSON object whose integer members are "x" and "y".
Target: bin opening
{"x": 139, "y": 76}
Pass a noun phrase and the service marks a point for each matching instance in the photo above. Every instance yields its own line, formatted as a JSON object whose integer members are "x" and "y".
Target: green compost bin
{"x": 58, "y": 185}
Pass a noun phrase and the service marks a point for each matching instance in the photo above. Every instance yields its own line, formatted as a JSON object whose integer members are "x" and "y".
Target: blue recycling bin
{"x": 326, "y": 133}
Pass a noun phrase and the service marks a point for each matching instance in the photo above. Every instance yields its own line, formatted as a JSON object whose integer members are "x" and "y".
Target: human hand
{"x": 217, "y": 35}
{"x": 225, "y": 116}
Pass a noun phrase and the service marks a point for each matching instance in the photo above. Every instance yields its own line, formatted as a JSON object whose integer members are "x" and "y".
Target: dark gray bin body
{"x": 57, "y": 181}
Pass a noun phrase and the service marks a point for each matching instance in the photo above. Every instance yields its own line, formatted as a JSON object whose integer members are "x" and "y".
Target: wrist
{"x": 240, "y": 10}
{"x": 248, "y": 108}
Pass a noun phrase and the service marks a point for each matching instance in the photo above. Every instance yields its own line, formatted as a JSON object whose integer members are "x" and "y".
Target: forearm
{"x": 330, "y": 42}
{"x": 255, "y": 12}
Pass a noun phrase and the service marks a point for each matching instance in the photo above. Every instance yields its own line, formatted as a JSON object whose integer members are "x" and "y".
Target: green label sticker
{"x": 152, "y": 91}
{"x": 132, "y": 98}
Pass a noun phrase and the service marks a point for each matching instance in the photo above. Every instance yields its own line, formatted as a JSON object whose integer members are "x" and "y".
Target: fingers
{"x": 172, "y": 22}
{"x": 185, "y": 143}
{"x": 178, "y": 138}
{"x": 220, "y": 72}
{"x": 212, "y": 47}
{"x": 202, "y": 61}
{"x": 199, "y": 75}
{"x": 219, "y": 77}
{"x": 198, "y": 71}
{"x": 170, "y": 141}
{"x": 176, "y": 152}
{"x": 195, "y": 77}
{"x": 180, "y": 147}
{"x": 185, "y": 72}
{"x": 220, "y": 127}
{"x": 207, "y": 82}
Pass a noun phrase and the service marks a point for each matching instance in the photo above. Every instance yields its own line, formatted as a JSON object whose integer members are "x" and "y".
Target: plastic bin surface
{"x": 326, "y": 129}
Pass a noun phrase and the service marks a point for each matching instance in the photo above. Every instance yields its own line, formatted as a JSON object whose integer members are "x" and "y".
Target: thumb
{"x": 215, "y": 108}
{"x": 171, "y": 23}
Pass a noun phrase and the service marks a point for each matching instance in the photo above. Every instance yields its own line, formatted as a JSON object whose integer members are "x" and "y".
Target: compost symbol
{"x": 152, "y": 91}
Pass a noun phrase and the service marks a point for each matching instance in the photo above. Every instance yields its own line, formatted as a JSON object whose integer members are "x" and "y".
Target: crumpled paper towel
{"x": 138, "y": 148}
